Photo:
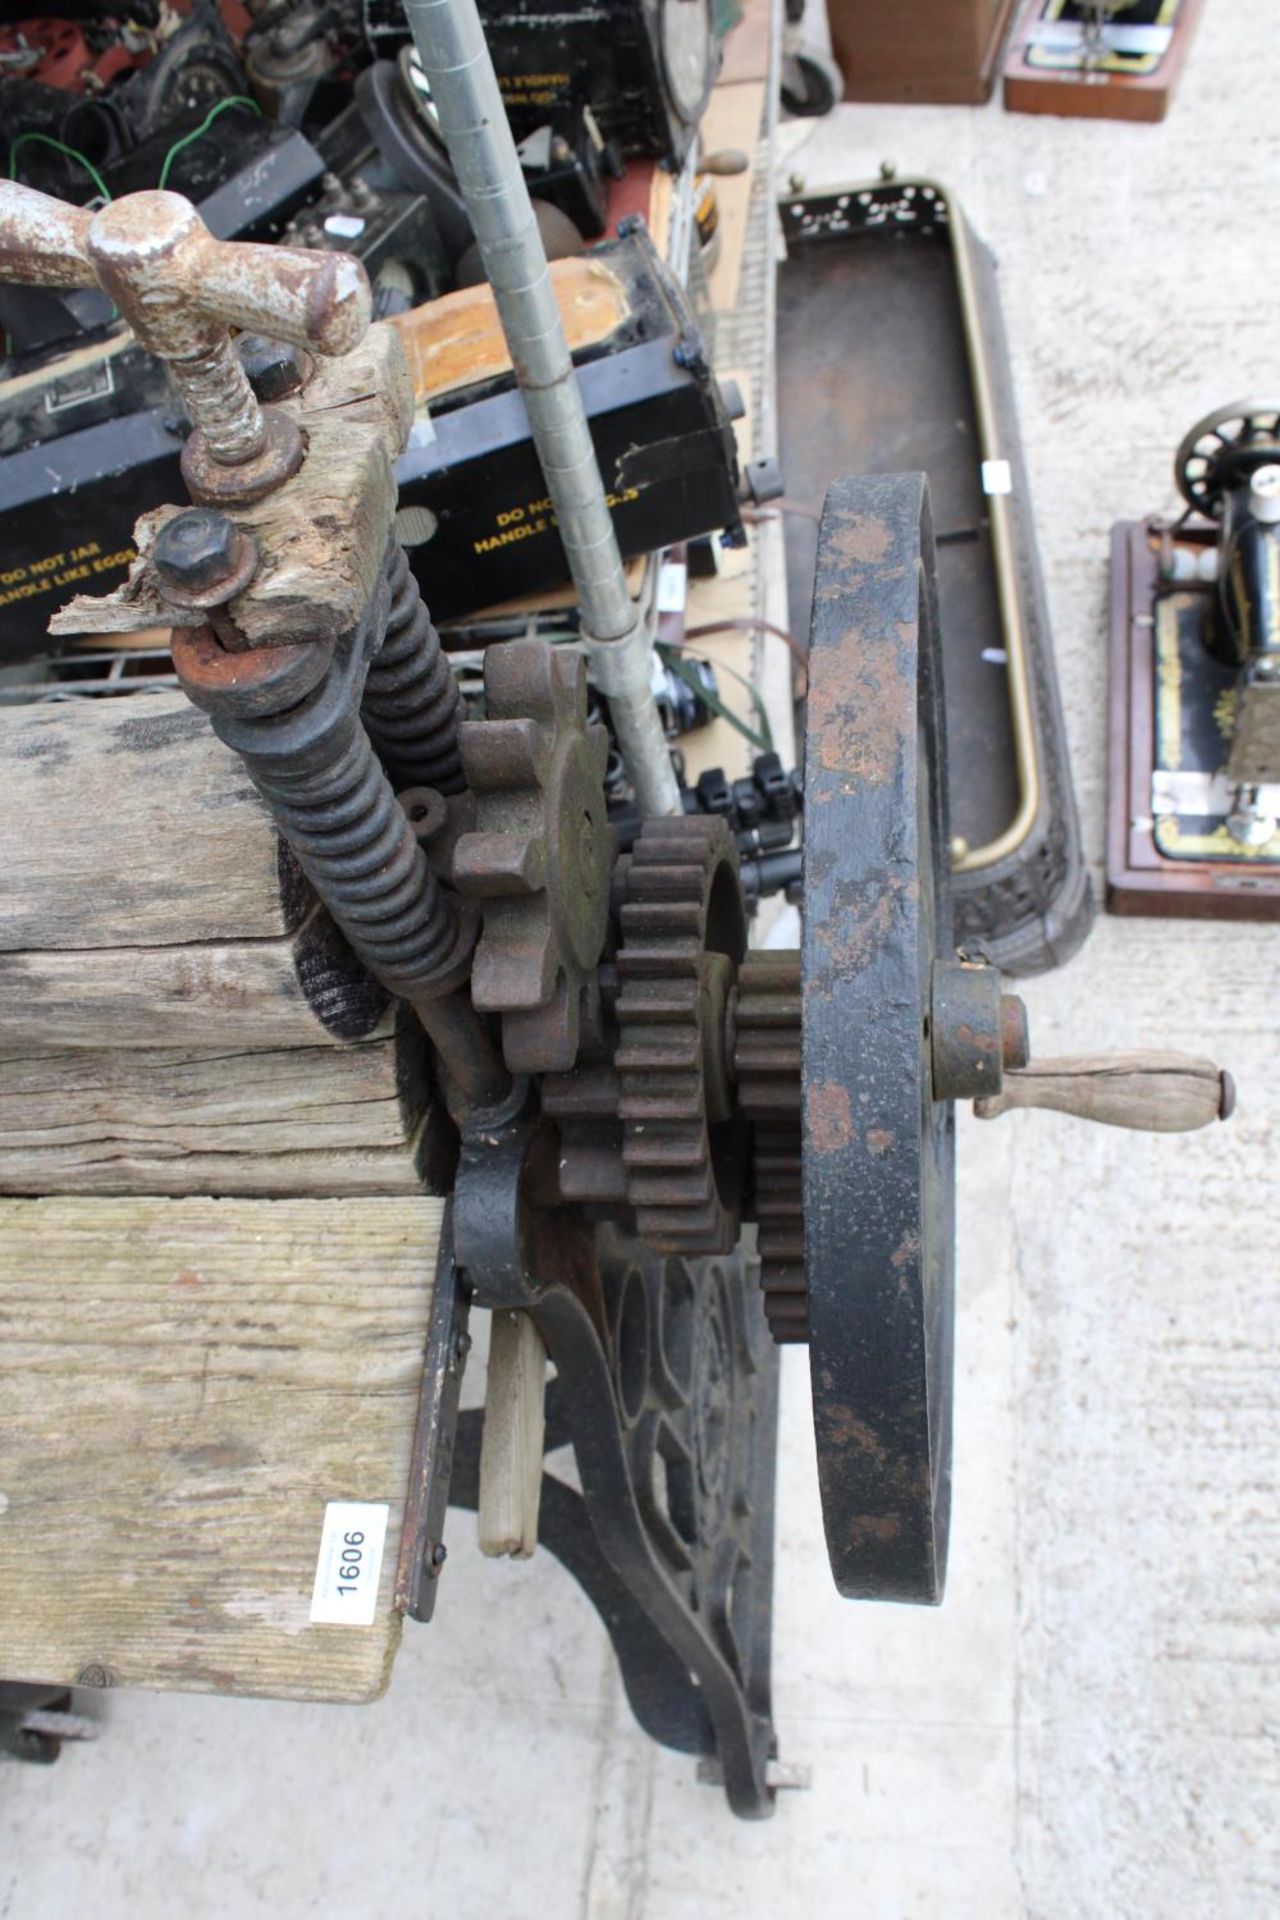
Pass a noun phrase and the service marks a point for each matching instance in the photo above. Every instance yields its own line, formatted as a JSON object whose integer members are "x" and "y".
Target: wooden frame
{"x": 1140, "y": 879}
{"x": 1108, "y": 96}
{"x": 939, "y": 52}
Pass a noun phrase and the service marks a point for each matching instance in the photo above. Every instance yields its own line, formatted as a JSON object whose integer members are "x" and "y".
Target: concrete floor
{"x": 1088, "y": 1726}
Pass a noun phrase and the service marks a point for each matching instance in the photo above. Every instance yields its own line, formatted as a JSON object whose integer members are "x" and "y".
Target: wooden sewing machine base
{"x": 1040, "y": 79}
{"x": 1171, "y": 709}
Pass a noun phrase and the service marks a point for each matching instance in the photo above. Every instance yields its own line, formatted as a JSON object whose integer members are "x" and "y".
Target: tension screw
{"x": 203, "y": 558}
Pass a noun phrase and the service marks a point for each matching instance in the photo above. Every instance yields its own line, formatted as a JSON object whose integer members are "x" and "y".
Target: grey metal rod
{"x": 455, "y": 58}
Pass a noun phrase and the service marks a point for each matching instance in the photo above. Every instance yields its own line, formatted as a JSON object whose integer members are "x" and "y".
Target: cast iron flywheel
{"x": 877, "y": 1160}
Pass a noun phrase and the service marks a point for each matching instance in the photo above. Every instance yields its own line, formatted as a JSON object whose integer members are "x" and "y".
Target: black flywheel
{"x": 878, "y": 1149}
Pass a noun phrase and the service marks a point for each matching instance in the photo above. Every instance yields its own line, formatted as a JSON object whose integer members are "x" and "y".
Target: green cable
{"x": 232, "y": 100}
{"x": 47, "y": 140}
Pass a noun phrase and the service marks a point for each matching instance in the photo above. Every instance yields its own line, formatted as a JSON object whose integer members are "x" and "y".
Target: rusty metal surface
{"x": 648, "y": 1122}
{"x": 765, "y": 1021}
{"x": 878, "y": 1150}
{"x": 180, "y": 291}
{"x": 684, "y": 930}
{"x": 967, "y": 1030}
{"x": 411, "y": 705}
{"x": 542, "y": 852}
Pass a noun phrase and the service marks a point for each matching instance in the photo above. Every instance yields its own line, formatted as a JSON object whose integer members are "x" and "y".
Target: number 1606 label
{"x": 351, "y": 1543}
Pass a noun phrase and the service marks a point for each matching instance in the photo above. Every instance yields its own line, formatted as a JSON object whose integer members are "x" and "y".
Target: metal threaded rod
{"x": 221, "y": 402}
{"x": 455, "y": 58}
{"x": 411, "y": 704}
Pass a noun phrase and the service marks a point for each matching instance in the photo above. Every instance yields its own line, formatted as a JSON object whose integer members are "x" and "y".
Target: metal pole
{"x": 455, "y": 58}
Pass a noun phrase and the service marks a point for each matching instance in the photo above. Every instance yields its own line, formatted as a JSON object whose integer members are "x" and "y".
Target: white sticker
{"x": 673, "y": 586}
{"x": 351, "y": 1543}
{"x": 344, "y": 226}
{"x": 997, "y": 476}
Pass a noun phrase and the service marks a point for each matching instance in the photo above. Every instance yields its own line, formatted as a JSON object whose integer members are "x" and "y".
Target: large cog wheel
{"x": 767, "y": 1064}
{"x": 683, "y": 932}
{"x": 541, "y": 855}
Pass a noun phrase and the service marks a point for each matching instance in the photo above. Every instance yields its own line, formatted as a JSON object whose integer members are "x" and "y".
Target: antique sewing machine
{"x": 1098, "y": 59}
{"x": 652, "y": 1152}
{"x": 1195, "y": 667}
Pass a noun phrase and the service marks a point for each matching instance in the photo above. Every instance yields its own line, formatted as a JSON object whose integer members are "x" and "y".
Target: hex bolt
{"x": 274, "y": 368}
{"x": 203, "y": 558}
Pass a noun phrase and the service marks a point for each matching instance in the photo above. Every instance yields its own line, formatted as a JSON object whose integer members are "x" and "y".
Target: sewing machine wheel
{"x": 1223, "y": 449}
{"x": 878, "y": 1150}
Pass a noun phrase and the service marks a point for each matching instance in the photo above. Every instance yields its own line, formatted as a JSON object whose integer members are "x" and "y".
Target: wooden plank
{"x": 261, "y": 994}
{"x": 746, "y": 48}
{"x": 457, "y": 341}
{"x": 734, "y": 118}
{"x": 324, "y": 1120}
{"x": 515, "y": 1397}
{"x": 129, "y": 821}
{"x": 321, "y": 539}
{"x": 184, "y": 1385}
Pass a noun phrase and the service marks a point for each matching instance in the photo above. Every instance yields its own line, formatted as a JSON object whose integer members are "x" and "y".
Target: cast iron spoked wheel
{"x": 878, "y": 1158}
{"x": 1223, "y": 449}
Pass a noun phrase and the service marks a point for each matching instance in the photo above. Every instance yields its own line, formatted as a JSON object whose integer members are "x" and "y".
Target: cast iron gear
{"x": 765, "y": 1024}
{"x": 683, "y": 932}
{"x": 542, "y": 852}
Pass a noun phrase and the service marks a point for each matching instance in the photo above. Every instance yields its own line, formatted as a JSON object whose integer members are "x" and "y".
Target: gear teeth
{"x": 518, "y": 688}
{"x": 588, "y": 1093}
{"x": 541, "y": 853}
{"x": 662, "y": 1058}
{"x": 501, "y": 755}
{"x": 489, "y": 865}
{"x": 519, "y": 978}
{"x": 767, "y": 1060}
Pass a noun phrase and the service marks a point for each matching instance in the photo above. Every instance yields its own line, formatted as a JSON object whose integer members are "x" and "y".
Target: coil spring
{"x": 411, "y": 698}
{"x": 358, "y": 850}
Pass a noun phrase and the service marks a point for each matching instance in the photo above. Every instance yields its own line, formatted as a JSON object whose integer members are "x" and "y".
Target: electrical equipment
{"x": 470, "y": 481}
{"x": 641, "y": 68}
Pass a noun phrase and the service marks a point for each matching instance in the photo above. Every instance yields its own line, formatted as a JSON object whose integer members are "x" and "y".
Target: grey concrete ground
{"x": 1088, "y": 1726}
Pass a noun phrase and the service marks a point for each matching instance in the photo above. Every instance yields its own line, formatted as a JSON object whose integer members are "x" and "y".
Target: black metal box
{"x": 662, "y": 435}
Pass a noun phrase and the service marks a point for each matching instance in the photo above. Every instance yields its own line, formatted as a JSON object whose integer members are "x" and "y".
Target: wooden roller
{"x": 1151, "y": 1092}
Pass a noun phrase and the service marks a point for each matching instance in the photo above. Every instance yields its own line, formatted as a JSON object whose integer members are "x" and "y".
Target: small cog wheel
{"x": 683, "y": 932}
{"x": 767, "y": 1063}
{"x": 541, "y": 855}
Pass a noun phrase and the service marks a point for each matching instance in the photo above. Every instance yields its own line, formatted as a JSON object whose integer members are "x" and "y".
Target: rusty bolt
{"x": 201, "y": 556}
{"x": 1015, "y": 1039}
{"x": 275, "y": 368}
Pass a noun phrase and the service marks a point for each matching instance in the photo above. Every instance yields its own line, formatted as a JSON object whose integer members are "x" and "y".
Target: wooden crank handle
{"x": 1150, "y": 1092}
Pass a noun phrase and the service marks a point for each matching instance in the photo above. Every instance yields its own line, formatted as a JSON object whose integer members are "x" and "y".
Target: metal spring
{"x": 360, "y": 853}
{"x": 411, "y": 701}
